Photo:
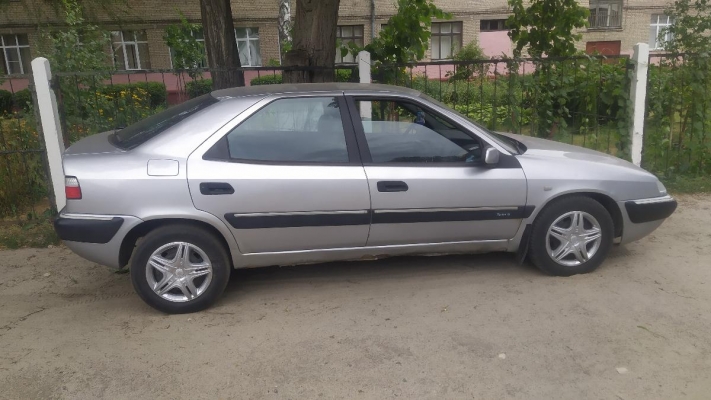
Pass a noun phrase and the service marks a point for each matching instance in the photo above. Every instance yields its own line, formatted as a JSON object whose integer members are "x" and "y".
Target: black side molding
{"x": 648, "y": 212}
{"x": 262, "y": 221}
{"x": 87, "y": 230}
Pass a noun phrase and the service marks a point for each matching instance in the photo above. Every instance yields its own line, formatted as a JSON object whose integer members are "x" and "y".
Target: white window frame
{"x": 250, "y": 62}
{"x": 199, "y": 40}
{"x": 5, "y": 47}
{"x": 349, "y": 58}
{"x": 451, "y": 34}
{"x": 656, "y": 28}
{"x": 608, "y": 5}
{"x": 124, "y": 43}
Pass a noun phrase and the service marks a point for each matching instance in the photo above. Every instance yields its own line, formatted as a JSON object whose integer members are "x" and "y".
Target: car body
{"x": 291, "y": 174}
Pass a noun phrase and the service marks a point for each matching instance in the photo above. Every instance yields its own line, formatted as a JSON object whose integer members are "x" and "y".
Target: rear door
{"x": 286, "y": 178}
{"x": 427, "y": 179}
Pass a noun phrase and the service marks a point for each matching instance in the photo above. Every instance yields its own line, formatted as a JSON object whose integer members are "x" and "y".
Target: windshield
{"x": 506, "y": 142}
{"x": 140, "y": 132}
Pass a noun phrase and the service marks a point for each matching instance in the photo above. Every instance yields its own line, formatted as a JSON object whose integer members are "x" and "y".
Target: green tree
{"x": 546, "y": 27}
{"x": 187, "y": 52}
{"x": 470, "y": 52}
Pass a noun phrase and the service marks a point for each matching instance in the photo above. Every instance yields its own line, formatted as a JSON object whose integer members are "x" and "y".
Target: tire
{"x": 565, "y": 214}
{"x": 208, "y": 277}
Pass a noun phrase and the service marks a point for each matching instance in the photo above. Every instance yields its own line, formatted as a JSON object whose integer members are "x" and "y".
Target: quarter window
{"x": 248, "y": 45}
{"x": 292, "y": 130}
{"x": 446, "y": 39}
{"x": 402, "y": 132}
{"x": 14, "y": 54}
{"x": 130, "y": 50}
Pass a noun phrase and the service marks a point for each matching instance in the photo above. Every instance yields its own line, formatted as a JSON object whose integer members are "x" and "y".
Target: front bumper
{"x": 648, "y": 210}
{"x": 641, "y": 217}
{"x": 97, "y": 238}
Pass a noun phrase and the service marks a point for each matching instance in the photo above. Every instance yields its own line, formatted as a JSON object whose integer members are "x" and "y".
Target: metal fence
{"x": 678, "y": 115}
{"x": 24, "y": 181}
{"x": 580, "y": 100}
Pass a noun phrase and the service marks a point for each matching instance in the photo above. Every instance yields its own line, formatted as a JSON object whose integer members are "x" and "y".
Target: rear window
{"x": 140, "y": 132}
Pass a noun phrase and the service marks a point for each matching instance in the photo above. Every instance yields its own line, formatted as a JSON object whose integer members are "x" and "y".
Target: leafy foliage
{"x": 6, "y": 102}
{"x": 546, "y": 27}
{"x": 470, "y": 52}
{"x": 198, "y": 87}
{"x": 188, "y": 53}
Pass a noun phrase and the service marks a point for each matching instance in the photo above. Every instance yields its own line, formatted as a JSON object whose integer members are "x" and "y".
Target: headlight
{"x": 661, "y": 187}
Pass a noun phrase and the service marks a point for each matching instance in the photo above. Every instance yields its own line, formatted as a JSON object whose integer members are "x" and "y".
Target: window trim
{"x": 450, "y": 34}
{"x": 363, "y": 142}
{"x": 658, "y": 27}
{"x": 219, "y": 151}
{"x": 13, "y": 47}
{"x": 353, "y": 38}
{"x": 248, "y": 39}
{"x": 135, "y": 42}
{"x": 598, "y": 4}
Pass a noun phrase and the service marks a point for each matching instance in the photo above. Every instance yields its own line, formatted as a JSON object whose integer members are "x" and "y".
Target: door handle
{"x": 392, "y": 186}
{"x": 215, "y": 188}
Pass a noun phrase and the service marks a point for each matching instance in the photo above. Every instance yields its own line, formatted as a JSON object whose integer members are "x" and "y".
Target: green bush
{"x": 23, "y": 100}
{"x": 198, "y": 88}
{"x": 5, "y": 102}
{"x": 266, "y": 80}
{"x": 157, "y": 92}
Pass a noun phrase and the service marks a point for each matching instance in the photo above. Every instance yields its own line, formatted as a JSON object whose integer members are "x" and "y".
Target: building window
{"x": 446, "y": 39}
{"x": 130, "y": 50}
{"x": 14, "y": 54}
{"x": 492, "y": 25}
{"x": 659, "y": 23}
{"x": 348, "y": 34}
{"x": 605, "y": 14}
{"x": 248, "y": 45}
{"x": 200, "y": 39}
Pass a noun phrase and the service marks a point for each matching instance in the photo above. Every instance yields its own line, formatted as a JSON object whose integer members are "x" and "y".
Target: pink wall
{"x": 495, "y": 44}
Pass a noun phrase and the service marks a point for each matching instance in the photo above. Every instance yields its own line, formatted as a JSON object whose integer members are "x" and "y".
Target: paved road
{"x": 425, "y": 328}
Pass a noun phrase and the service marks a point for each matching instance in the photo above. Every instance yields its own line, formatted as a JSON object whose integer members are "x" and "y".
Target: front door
{"x": 427, "y": 179}
{"x": 286, "y": 178}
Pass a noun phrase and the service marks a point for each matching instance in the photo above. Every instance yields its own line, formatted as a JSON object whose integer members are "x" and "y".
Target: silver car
{"x": 283, "y": 175}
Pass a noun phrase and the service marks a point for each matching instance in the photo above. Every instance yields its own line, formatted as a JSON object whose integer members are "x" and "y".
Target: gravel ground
{"x": 427, "y": 328}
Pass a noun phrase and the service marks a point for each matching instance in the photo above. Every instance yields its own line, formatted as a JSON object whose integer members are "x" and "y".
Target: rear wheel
{"x": 180, "y": 269}
{"x": 571, "y": 236}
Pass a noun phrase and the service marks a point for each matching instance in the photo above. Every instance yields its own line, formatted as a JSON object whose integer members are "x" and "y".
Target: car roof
{"x": 265, "y": 90}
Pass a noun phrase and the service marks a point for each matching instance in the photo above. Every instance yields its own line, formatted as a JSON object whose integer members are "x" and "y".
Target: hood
{"x": 551, "y": 149}
{"x": 94, "y": 144}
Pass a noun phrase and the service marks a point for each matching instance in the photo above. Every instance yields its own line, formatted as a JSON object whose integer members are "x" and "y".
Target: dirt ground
{"x": 416, "y": 328}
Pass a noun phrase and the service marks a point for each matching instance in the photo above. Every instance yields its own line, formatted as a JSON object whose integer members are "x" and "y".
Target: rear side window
{"x": 307, "y": 129}
{"x": 140, "y": 132}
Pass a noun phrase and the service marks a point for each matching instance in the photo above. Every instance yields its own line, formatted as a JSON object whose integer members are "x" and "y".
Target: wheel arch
{"x": 129, "y": 242}
{"x": 604, "y": 199}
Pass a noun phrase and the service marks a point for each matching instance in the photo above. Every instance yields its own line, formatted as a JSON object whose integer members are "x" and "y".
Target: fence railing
{"x": 23, "y": 174}
{"x": 579, "y": 100}
{"x": 678, "y": 115}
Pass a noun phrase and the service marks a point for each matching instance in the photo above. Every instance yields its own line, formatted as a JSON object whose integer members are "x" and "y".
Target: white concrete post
{"x": 51, "y": 127}
{"x": 366, "y": 107}
{"x": 638, "y": 95}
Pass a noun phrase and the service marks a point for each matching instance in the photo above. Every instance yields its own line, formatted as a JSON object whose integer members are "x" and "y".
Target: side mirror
{"x": 491, "y": 156}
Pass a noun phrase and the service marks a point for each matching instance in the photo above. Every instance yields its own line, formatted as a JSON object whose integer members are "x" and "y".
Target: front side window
{"x": 348, "y": 34}
{"x": 130, "y": 50}
{"x": 301, "y": 130}
{"x": 14, "y": 54}
{"x": 605, "y": 14}
{"x": 446, "y": 39}
{"x": 248, "y": 45}
{"x": 402, "y": 132}
{"x": 657, "y": 31}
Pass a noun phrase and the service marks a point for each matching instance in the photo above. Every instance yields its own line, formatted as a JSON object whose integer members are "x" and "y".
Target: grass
{"x": 687, "y": 184}
{"x": 36, "y": 233}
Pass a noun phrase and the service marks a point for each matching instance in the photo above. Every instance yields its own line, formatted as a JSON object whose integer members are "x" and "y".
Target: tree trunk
{"x": 284, "y": 26}
{"x": 314, "y": 41}
{"x": 222, "y": 53}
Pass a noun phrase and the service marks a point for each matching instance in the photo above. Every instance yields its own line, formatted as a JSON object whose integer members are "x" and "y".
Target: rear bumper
{"x": 94, "y": 229}
{"x": 96, "y": 238}
{"x": 648, "y": 210}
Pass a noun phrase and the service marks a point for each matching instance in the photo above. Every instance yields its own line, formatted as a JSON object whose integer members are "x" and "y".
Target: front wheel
{"x": 180, "y": 269}
{"x": 571, "y": 236}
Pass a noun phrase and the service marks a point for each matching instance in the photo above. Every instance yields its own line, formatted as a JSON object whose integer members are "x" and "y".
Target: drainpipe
{"x": 372, "y": 20}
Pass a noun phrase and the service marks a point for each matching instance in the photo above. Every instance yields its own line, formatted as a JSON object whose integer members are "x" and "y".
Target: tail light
{"x": 72, "y": 188}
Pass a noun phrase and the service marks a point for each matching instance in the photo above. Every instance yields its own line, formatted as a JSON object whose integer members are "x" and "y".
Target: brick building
{"x": 138, "y": 28}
